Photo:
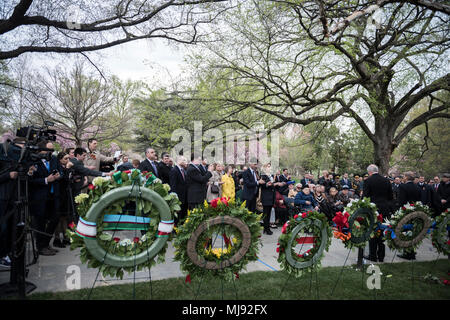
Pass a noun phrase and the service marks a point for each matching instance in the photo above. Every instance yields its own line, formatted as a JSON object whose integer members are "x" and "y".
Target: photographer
{"x": 66, "y": 200}
{"x": 44, "y": 197}
{"x": 8, "y": 189}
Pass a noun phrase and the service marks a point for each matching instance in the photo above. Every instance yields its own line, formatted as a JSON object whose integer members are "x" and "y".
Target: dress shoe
{"x": 268, "y": 232}
{"x": 370, "y": 258}
{"x": 46, "y": 252}
{"x": 58, "y": 243}
{"x": 52, "y": 249}
{"x": 407, "y": 257}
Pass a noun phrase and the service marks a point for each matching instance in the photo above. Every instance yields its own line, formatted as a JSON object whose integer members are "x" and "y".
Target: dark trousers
{"x": 266, "y": 216}
{"x": 251, "y": 205}
{"x": 45, "y": 220}
{"x": 5, "y": 229}
{"x": 376, "y": 249}
{"x": 282, "y": 215}
{"x": 182, "y": 213}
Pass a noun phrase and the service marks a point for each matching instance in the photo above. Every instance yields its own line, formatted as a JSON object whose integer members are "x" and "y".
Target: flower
{"x": 136, "y": 239}
{"x": 296, "y": 216}
{"x": 91, "y": 186}
{"x": 380, "y": 218}
{"x": 98, "y": 181}
{"x": 81, "y": 197}
{"x": 116, "y": 239}
{"x": 72, "y": 225}
{"x": 125, "y": 242}
{"x": 304, "y": 214}
{"x": 166, "y": 187}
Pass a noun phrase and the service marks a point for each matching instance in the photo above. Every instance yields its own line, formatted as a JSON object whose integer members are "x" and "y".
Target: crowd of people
{"x": 54, "y": 183}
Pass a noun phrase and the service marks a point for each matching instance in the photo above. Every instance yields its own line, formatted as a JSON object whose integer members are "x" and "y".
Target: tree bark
{"x": 383, "y": 145}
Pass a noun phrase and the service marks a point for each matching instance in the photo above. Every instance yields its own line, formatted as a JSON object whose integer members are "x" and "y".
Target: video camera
{"x": 21, "y": 157}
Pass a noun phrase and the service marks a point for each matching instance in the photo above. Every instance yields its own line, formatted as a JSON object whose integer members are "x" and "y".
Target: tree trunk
{"x": 383, "y": 146}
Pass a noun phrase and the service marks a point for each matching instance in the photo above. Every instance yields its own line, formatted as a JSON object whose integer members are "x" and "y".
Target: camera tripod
{"x": 21, "y": 239}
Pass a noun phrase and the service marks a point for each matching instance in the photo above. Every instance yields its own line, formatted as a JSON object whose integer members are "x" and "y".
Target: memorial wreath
{"x": 408, "y": 226}
{"x": 308, "y": 228}
{"x": 218, "y": 239}
{"x": 102, "y": 212}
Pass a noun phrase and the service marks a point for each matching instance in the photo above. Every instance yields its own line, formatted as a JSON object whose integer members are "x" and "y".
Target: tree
{"x": 276, "y": 61}
{"x": 83, "y": 105}
{"x": 63, "y": 27}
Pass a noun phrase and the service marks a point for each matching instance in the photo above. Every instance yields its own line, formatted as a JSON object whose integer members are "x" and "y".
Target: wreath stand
{"x": 400, "y": 244}
{"x": 357, "y": 241}
{"x": 87, "y": 228}
{"x": 137, "y": 196}
{"x": 208, "y": 265}
{"x": 306, "y": 228}
{"x": 305, "y": 240}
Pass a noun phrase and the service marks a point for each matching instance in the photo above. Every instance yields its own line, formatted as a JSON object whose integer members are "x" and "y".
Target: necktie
{"x": 154, "y": 168}
{"x": 182, "y": 173}
{"x": 47, "y": 164}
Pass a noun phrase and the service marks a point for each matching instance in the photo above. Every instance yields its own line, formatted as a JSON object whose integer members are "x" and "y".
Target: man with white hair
{"x": 177, "y": 178}
{"x": 379, "y": 190}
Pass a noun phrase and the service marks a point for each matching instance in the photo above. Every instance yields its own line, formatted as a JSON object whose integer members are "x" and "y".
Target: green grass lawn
{"x": 262, "y": 285}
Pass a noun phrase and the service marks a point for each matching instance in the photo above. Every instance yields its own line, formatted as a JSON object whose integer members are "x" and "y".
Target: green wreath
{"x": 357, "y": 224}
{"x": 312, "y": 223}
{"x": 219, "y": 240}
{"x": 439, "y": 237}
{"x": 103, "y": 210}
{"x": 408, "y": 226}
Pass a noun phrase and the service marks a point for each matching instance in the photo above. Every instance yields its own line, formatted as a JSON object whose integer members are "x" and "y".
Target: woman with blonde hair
{"x": 228, "y": 187}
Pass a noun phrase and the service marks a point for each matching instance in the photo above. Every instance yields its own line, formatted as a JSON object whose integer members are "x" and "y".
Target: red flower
{"x": 283, "y": 230}
{"x": 224, "y": 201}
{"x": 136, "y": 239}
{"x": 72, "y": 225}
{"x": 403, "y": 208}
{"x": 214, "y": 203}
{"x": 296, "y": 216}
{"x": 380, "y": 218}
{"x": 188, "y": 279}
{"x": 304, "y": 214}
{"x": 278, "y": 249}
{"x": 116, "y": 239}
{"x": 237, "y": 275}
{"x": 448, "y": 242}
{"x": 91, "y": 186}
{"x": 412, "y": 204}
{"x": 360, "y": 219}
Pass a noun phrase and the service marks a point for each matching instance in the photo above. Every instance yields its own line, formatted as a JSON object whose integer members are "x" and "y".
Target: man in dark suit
{"x": 178, "y": 184}
{"x": 283, "y": 179}
{"x": 196, "y": 183}
{"x": 308, "y": 179}
{"x": 44, "y": 199}
{"x": 395, "y": 192}
{"x": 444, "y": 192}
{"x": 164, "y": 168}
{"x": 150, "y": 164}
{"x": 250, "y": 186}
{"x": 426, "y": 192}
{"x": 379, "y": 190}
{"x": 345, "y": 181}
{"x": 409, "y": 192}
